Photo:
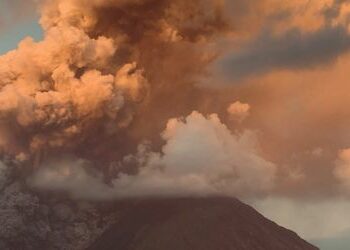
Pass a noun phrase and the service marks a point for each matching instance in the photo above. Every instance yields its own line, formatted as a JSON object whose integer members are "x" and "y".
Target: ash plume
{"x": 100, "y": 67}
{"x": 100, "y": 88}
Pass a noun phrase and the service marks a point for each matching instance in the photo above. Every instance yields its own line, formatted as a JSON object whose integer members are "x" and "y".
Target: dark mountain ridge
{"x": 195, "y": 224}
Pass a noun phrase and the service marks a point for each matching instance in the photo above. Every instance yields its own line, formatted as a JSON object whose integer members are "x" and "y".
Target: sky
{"x": 231, "y": 102}
{"x": 10, "y": 37}
{"x": 13, "y": 31}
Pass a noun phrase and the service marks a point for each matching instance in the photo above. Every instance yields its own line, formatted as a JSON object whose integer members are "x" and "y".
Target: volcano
{"x": 195, "y": 224}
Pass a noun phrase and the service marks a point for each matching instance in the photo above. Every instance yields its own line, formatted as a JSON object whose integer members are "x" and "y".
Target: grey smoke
{"x": 292, "y": 50}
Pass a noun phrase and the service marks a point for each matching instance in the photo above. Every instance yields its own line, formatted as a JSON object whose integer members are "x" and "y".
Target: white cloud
{"x": 200, "y": 157}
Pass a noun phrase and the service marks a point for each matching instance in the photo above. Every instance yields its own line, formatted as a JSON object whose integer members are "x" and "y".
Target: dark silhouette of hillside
{"x": 195, "y": 224}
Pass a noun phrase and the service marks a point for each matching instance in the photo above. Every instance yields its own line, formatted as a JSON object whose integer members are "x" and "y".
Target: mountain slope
{"x": 195, "y": 223}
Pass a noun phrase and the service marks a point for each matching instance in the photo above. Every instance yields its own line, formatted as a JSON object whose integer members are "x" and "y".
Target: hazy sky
{"x": 10, "y": 37}
{"x": 16, "y": 25}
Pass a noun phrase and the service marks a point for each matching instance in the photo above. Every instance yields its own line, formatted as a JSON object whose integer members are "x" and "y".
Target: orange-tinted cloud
{"x": 110, "y": 74}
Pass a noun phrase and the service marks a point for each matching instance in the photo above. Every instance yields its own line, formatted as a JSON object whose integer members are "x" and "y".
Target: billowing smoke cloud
{"x": 200, "y": 157}
{"x": 106, "y": 79}
{"x": 85, "y": 76}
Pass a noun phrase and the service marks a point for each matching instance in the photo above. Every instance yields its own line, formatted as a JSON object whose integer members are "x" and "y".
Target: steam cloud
{"x": 200, "y": 157}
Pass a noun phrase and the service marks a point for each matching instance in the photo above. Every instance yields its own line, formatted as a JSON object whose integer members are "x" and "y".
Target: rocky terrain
{"x": 32, "y": 222}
